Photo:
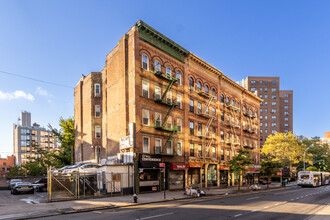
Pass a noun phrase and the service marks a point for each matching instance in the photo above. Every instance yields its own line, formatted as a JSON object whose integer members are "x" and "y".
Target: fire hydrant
{"x": 135, "y": 198}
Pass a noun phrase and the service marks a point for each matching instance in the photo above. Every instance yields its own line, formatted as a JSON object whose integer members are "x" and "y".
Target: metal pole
{"x": 164, "y": 183}
{"x": 304, "y": 159}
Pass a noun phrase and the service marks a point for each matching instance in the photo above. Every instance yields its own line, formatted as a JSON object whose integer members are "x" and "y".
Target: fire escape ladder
{"x": 168, "y": 115}
{"x": 172, "y": 81}
{"x": 169, "y": 138}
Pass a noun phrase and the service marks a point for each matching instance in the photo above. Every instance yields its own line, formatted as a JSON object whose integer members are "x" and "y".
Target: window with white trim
{"x": 158, "y": 93}
{"x": 158, "y": 119}
{"x": 274, "y": 124}
{"x": 97, "y": 111}
{"x": 157, "y": 66}
{"x": 145, "y": 62}
{"x": 179, "y": 148}
{"x": 179, "y": 78}
{"x": 98, "y": 131}
{"x": 146, "y": 145}
{"x": 169, "y": 123}
{"x": 145, "y": 89}
{"x": 169, "y": 147}
{"x": 158, "y": 146}
{"x": 179, "y": 124}
{"x": 286, "y": 107}
{"x": 168, "y": 71}
{"x": 97, "y": 90}
{"x": 179, "y": 100}
{"x": 145, "y": 117}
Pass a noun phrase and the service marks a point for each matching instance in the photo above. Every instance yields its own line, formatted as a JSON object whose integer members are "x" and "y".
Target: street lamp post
{"x": 305, "y": 154}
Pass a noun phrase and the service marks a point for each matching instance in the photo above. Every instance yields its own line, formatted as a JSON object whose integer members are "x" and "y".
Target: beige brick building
{"x": 276, "y": 111}
{"x": 176, "y": 109}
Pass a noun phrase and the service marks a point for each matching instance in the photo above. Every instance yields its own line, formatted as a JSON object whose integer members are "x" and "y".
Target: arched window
{"x": 145, "y": 62}
{"x": 232, "y": 102}
{"x": 157, "y": 66}
{"x": 206, "y": 89}
{"x": 222, "y": 99}
{"x": 168, "y": 71}
{"x": 237, "y": 105}
{"x": 227, "y": 100}
{"x": 199, "y": 86}
{"x": 191, "y": 83}
{"x": 250, "y": 112}
{"x": 244, "y": 109}
{"x": 213, "y": 92}
{"x": 178, "y": 77}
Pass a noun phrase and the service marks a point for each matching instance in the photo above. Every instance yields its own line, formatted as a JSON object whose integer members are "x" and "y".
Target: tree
{"x": 65, "y": 136}
{"x": 311, "y": 168}
{"x": 284, "y": 147}
{"x": 239, "y": 163}
{"x": 268, "y": 165}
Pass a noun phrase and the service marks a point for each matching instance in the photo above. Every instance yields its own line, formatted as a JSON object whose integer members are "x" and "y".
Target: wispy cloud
{"x": 16, "y": 95}
{"x": 41, "y": 91}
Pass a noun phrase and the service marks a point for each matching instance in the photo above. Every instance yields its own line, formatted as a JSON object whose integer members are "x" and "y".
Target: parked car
{"x": 12, "y": 182}
{"x": 264, "y": 181}
{"x": 68, "y": 171}
{"x": 60, "y": 171}
{"x": 40, "y": 185}
{"x": 83, "y": 169}
{"x": 22, "y": 187}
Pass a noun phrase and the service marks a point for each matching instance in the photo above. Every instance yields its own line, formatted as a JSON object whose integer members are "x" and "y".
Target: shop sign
{"x": 196, "y": 165}
{"x": 150, "y": 158}
{"x": 125, "y": 143}
{"x": 154, "y": 188}
{"x": 224, "y": 167}
{"x": 255, "y": 166}
{"x": 161, "y": 164}
{"x": 140, "y": 170}
{"x": 179, "y": 166}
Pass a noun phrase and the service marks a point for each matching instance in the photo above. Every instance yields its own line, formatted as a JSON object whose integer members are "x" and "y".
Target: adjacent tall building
{"x": 28, "y": 139}
{"x": 326, "y": 139}
{"x": 276, "y": 111}
{"x": 167, "y": 108}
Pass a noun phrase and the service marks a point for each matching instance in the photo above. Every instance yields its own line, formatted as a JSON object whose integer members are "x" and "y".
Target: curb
{"x": 73, "y": 211}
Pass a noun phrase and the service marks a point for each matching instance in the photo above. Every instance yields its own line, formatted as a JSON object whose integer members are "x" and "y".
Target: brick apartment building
{"x": 276, "y": 111}
{"x": 174, "y": 108}
{"x": 6, "y": 164}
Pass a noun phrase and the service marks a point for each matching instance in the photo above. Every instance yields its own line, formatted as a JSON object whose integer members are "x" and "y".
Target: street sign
{"x": 161, "y": 164}
{"x": 124, "y": 142}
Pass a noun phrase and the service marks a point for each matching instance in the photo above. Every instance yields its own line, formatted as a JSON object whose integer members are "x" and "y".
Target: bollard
{"x": 135, "y": 198}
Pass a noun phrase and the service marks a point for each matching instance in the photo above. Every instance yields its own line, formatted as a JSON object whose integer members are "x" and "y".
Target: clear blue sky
{"x": 57, "y": 41}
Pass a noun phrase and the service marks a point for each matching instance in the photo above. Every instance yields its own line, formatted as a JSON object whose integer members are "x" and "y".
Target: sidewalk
{"x": 55, "y": 208}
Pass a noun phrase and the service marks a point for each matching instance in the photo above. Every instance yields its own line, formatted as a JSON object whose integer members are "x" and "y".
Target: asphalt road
{"x": 7, "y": 199}
{"x": 294, "y": 203}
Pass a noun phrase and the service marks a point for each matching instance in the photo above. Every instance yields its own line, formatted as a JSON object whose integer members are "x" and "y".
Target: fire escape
{"x": 249, "y": 128}
{"x": 233, "y": 115}
{"x": 163, "y": 100}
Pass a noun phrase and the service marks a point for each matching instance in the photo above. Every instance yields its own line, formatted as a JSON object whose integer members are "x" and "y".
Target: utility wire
{"x": 37, "y": 80}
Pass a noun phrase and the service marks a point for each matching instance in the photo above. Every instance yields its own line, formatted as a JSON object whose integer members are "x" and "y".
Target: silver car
{"x": 22, "y": 187}
{"x": 12, "y": 182}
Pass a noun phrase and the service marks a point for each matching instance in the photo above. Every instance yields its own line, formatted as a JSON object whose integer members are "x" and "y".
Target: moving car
{"x": 12, "y": 182}
{"x": 40, "y": 185}
{"x": 22, "y": 187}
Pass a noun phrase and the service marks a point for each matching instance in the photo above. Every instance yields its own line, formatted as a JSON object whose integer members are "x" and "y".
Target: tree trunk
{"x": 239, "y": 182}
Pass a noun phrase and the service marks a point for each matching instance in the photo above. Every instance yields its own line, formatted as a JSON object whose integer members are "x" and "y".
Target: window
{"x": 228, "y": 155}
{"x": 266, "y": 110}
{"x": 214, "y": 93}
{"x": 191, "y": 83}
{"x": 273, "y": 117}
{"x": 222, "y": 99}
{"x": 266, "y": 89}
{"x": 273, "y": 82}
{"x": 169, "y": 123}
{"x": 273, "y": 110}
{"x": 168, "y": 71}
{"x": 273, "y": 103}
{"x": 286, "y": 95}
{"x": 199, "y": 129}
{"x": 261, "y": 110}
{"x": 199, "y": 86}
{"x": 179, "y": 124}
{"x": 146, "y": 145}
{"x": 273, "y": 96}
{"x": 157, "y": 66}
{"x": 206, "y": 89}
{"x": 222, "y": 117}
{"x": 179, "y": 148}
{"x": 286, "y": 131}
{"x": 191, "y": 106}
{"x": 260, "y": 124}
{"x": 222, "y": 155}
{"x": 192, "y": 128}
{"x": 145, "y": 89}
{"x": 158, "y": 93}
{"x": 260, "y": 96}
{"x": 253, "y": 82}
{"x": 213, "y": 132}
{"x": 192, "y": 150}
{"x": 266, "y": 103}
{"x": 97, "y": 90}
{"x": 158, "y": 119}
{"x": 158, "y": 146}
{"x": 266, "y": 96}
{"x": 227, "y": 101}
{"x": 179, "y": 100}
{"x": 286, "y": 119}
{"x": 260, "y": 131}
{"x": 260, "y": 89}
{"x": 260, "y": 103}
{"x": 286, "y": 107}
{"x": 286, "y": 101}
{"x": 286, "y": 125}
{"x": 97, "y": 131}
{"x": 145, "y": 62}
{"x": 286, "y": 113}
{"x": 260, "y": 117}
{"x": 273, "y": 131}
{"x": 273, "y": 89}
{"x": 145, "y": 117}
{"x": 213, "y": 111}
{"x": 266, "y": 82}
{"x": 213, "y": 153}
{"x": 199, "y": 108}
{"x": 169, "y": 97}
{"x": 266, "y": 117}
{"x": 169, "y": 148}
{"x": 266, "y": 131}
{"x": 273, "y": 124}
{"x": 178, "y": 77}
{"x": 200, "y": 153}
{"x": 97, "y": 111}
{"x": 253, "y": 89}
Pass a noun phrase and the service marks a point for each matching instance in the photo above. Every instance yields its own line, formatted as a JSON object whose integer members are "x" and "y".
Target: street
{"x": 294, "y": 203}
{"x": 7, "y": 199}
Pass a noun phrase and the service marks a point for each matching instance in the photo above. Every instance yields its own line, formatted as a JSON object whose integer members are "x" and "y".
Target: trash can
{"x": 283, "y": 183}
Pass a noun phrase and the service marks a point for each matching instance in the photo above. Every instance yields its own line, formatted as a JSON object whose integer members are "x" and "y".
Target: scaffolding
{"x": 162, "y": 99}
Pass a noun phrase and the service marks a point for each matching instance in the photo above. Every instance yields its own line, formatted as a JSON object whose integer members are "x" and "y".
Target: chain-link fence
{"x": 80, "y": 185}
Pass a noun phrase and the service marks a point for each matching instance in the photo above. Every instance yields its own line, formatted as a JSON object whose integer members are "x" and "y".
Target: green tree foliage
{"x": 284, "y": 147}
{"x": 311, "y": 168}
{"x": 268, "y": 165}
{"x": 239, "y": 163}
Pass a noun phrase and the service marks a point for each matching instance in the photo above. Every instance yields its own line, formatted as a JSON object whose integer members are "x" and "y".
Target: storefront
{"x": 224, "y": 173}
{"x": 176, "y": 175}
{"x": 212, "y": 175}
{"x": 252, "y": 176}
{"x": 149, "y": 173}
{"x": 194, "y": 174}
